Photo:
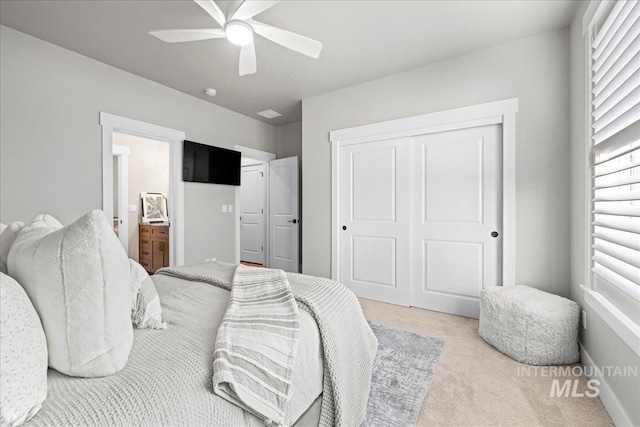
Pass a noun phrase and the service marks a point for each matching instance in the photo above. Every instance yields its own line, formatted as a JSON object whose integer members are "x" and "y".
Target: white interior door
{"x": 252, "y": 215}
{"x": 457, "y": 207}
{"x": 283, "y": 214}
{"x": 374, "y": 239}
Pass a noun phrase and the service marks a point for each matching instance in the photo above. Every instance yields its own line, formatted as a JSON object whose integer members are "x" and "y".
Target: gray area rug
{"x": 402, "y": 372}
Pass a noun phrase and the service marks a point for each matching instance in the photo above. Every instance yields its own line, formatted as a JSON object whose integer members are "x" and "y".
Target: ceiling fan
{"x": 238, "y": 26}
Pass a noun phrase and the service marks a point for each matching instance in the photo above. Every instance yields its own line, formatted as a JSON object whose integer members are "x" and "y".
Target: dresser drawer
{"x": 145, "y": 252}
{"x": 146, "y": 263}
{"x": 145, "y": 242}
{"x": 159, "y": 231}
{"x": 145, "y": 230}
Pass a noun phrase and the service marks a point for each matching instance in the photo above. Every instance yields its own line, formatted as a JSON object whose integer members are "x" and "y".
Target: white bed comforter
{"x": 168, "y": 378}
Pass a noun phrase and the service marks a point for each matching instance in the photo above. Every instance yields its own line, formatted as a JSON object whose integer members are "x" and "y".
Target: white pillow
{"x": 7, "y": 236}
{"x": 79, "y": 281}
{"x": 23, "y": 356}
{"x": 146, "y": 312}
{"x": 3, "y": 265}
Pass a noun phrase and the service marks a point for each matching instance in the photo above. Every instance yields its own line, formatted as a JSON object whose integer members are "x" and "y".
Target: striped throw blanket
{"x": 348, "y": 344}
{"x": 257, "y": 342}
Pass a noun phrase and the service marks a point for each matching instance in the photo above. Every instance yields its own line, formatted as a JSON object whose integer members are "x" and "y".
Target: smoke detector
{"x": 210, "y": 91}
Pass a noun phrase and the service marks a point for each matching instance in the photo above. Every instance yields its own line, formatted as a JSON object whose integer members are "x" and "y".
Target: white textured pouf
{"x": 529, "y": 325}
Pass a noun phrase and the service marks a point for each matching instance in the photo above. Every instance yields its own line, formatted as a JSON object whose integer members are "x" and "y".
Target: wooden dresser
{"x": 153, "y": 248}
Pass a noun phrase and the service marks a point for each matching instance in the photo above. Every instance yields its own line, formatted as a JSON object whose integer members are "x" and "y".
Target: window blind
{"x": 615, "y": 155}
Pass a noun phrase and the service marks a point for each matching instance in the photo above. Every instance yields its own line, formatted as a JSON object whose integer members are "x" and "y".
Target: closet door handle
{"x": 494, "y": 234}
{"x": 344, "y": 227}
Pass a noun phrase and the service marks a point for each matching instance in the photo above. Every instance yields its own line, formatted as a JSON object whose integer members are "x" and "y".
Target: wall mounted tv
{"x": 212, "y": 165}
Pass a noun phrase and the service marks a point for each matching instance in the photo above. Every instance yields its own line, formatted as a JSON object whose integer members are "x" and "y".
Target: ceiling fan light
{"x": 239, "y": 33}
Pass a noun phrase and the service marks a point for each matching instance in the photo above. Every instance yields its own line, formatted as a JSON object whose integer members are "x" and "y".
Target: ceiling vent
{"x": 269, "y": 114}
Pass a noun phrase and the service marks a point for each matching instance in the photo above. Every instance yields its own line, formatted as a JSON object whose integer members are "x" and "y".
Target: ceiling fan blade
{"x": 293, "y": 41}
{"x": 212, "y": 9}
{"x": 247, "y": 59}
{"x": 176, "y": 36}
{"x": 250, "y": 8}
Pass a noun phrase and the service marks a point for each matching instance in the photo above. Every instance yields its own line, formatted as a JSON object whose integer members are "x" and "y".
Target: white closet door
{"x": 283, "y": 211}
{"x": 456, "y": 218}
{"x": 252, "y": 216}
{"x": 374, "y": 188}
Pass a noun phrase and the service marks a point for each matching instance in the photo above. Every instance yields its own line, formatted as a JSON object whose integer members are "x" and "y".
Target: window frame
{"x": 624, "y": 327}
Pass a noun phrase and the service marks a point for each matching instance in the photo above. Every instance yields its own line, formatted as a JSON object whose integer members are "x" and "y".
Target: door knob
{"x": 344, "y": 227}
{"x": 494, "y": 234}
{"x": 295, "y": 221}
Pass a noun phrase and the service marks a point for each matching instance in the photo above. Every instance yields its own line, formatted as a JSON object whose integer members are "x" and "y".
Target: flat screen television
{"x": 208, "y": 164}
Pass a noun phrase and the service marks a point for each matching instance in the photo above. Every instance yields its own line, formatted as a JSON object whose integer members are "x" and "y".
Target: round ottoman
{"x": 529, "y": 325}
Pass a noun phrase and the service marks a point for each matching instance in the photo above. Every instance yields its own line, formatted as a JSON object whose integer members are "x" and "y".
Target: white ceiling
{"x": 363, "y": 40}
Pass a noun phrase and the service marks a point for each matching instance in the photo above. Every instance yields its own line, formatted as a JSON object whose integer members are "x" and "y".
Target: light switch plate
{"x": 230, "y": 208}
{"x": 224, "y": 208}
{"x": 133, "y": 209}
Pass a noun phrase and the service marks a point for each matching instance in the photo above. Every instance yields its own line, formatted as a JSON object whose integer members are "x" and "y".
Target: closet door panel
{"x": 375, "y": 219}
{"x": 456, "y": 218}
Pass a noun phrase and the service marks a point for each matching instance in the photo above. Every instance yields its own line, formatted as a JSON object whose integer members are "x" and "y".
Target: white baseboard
{"x": 609, "y": 400}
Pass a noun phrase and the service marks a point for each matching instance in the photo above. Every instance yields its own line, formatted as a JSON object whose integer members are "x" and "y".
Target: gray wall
{"x": 288, "y": 144}
{"x": 289, "y": 140}
{"x": 604, "y": 346}
{"x": 536, "y": 70}
{"x": 50, "y": 138}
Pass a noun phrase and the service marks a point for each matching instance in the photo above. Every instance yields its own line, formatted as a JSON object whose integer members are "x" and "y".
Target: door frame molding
{"x": 112, "y": 123}
{"x": 121, "y": 153}
{"x": 263, "y": 156}
{"x": 498, "y": 112}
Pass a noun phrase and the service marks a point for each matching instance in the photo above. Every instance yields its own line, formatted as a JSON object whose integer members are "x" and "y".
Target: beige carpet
{"x": 476, "y": 385}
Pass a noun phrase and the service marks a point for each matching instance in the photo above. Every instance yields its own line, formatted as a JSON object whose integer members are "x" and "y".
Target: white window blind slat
{"x": 629, "y": 88}
{"x": 606, "y": 31}
{"x": 624, "y": 21}
{"x": 618, "y": 266}
{"x": 620, "y": 252}
{"x": 622, "y": 163}
{"x": 624, "y": 49}
{"x": 617, "y": 196}
{"x": 615, "y": 210}
{"x": 619, "y": 237}
{"x": 626, "y": 286}
{"x": 622, "y": 106}
{"x": 618, "y": 60}
{"x": 613, "y": 80}
{"x": 630, "y": 224}
{"x": 621, "y": 144}
{"x": 628, "y": 118}
{"x": 614, "y": 180}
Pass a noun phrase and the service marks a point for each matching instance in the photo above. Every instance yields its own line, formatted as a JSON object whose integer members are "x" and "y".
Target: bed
{"x": 168, "y": 377}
